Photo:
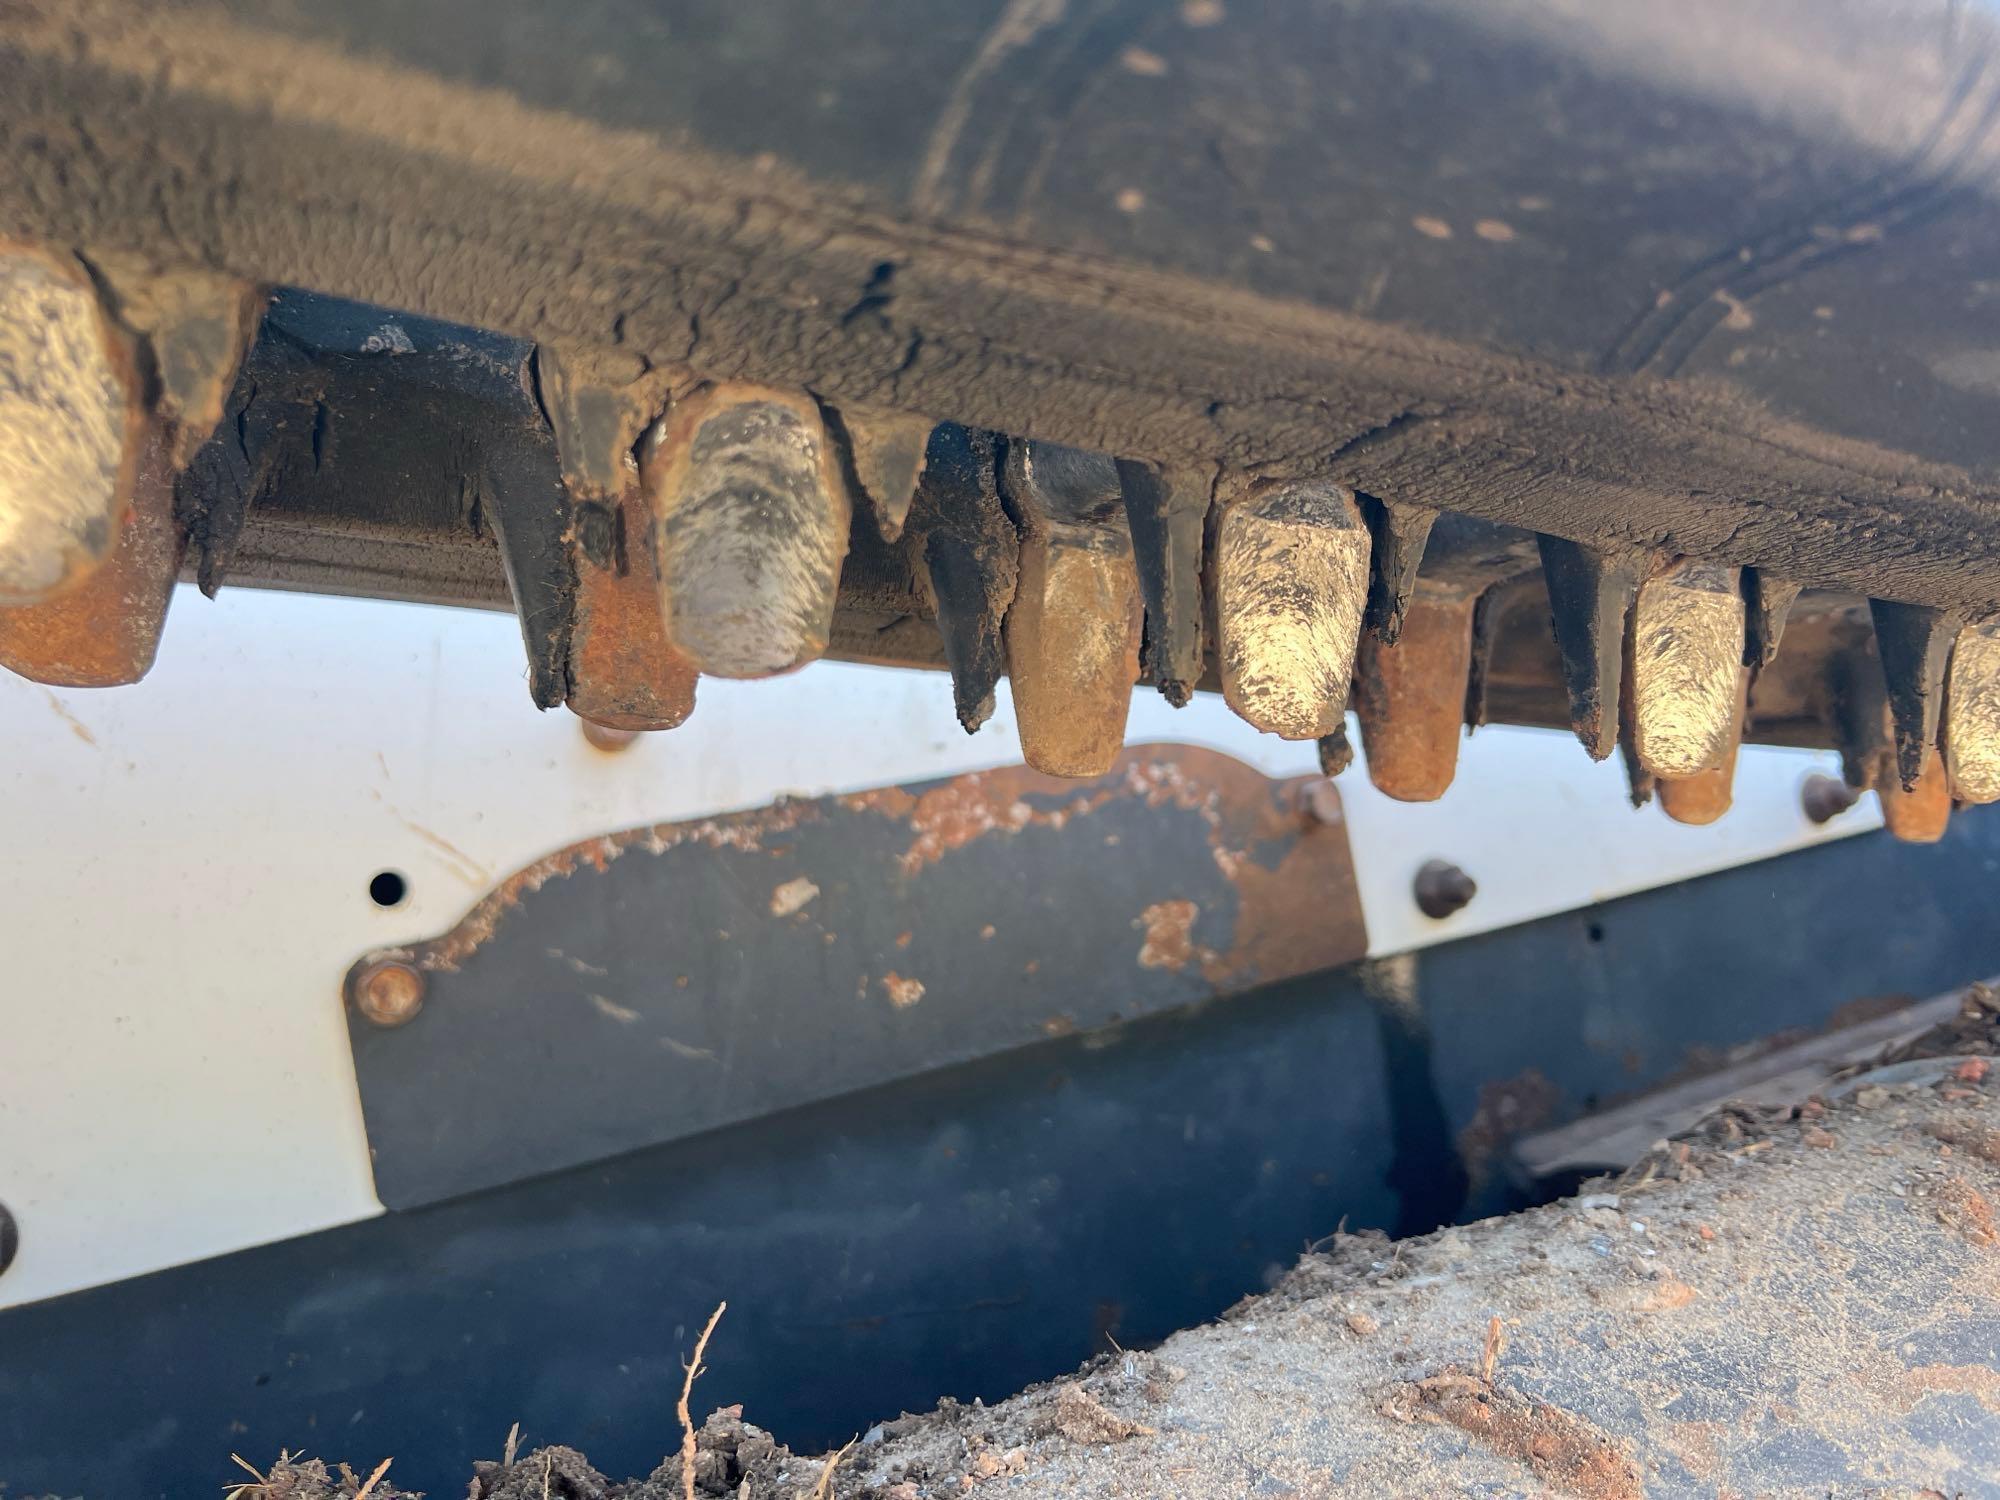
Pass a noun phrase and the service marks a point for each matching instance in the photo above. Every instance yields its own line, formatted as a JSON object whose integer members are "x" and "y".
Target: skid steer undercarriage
{"x": 1627, "y": 371}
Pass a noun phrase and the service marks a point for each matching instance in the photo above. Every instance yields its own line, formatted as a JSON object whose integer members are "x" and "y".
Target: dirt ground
{"x": 1798, "y": 1302}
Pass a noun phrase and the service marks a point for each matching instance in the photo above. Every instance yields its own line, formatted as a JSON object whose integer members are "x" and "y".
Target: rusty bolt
{"x": 1319, "y": 800}
{"x": 1824, "y": 798}
{"x": 1442, "y": 888}
{"x": 388, "y": 992}
{"x": 608, "y": 737}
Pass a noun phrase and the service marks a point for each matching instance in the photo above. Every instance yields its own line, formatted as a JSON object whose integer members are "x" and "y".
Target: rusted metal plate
{"x": 659, "y": 982}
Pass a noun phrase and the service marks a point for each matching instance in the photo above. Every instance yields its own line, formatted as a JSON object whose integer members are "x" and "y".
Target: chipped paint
{"x": 1287, "y": 869}
{"x": 623, "y": 1014}
{"x": 902, "y": 992}
{"x": 882, "y": 933}
{"x": 792, "y": 896}
{"x": 1169, "y": 928}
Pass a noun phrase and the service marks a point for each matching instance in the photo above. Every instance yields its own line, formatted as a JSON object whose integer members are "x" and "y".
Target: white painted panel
{"x": 184, "y": 868}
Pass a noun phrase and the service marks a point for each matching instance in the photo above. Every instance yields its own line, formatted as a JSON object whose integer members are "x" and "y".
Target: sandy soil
{"x": 1796, "y": 1302}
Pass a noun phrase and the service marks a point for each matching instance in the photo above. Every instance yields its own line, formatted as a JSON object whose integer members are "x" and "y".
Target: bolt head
{"x": 1442, "y": 888}
{"x": 1824, "y": 798}
{"x": 388, "y": 992}
{"x": 1319, "y": 800}
{"x": 607, "y": 737}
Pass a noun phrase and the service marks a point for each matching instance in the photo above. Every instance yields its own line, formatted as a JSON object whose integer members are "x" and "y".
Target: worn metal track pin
{"x": 1686, "y": 666}
{"x": 1972, "y": 715}
{"x": 1706, "y": 795}
{"x": 1410, "y": 697}
{"x": 1289, "y": 570}
{"x": 72, "y": 420}
{"x": 1072, "y": 632}
{"x": 750, "y": 526}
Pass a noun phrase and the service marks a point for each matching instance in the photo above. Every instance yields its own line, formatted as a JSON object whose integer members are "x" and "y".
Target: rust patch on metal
{"x": 1921, "y": 814}
{"x": 104, "y": 630}
{"x": 388, "y": 992}
{"x": 1283, "y": 921}
{"x": 1705, "y": 796}
{"x": 1169, "y": 941}
{"x": 1072, "y": 638}
{"x": 746, "y": 830}
{"x": 792, "y": 896}
{"x": 199, "y": 327}
{"x": 624, "y": 672}
{"x": 1508, "y": 1108}
{"x": 1565, "y": 1452}
{"x": 1298, "y": 910}
{"x": 902, "y": 992}
{"x": 1410, "y": 698}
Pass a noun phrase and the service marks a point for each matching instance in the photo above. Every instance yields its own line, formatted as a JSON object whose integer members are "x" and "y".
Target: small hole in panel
{"x": 1595, "y": 931}
{"x": 388, "y": 889}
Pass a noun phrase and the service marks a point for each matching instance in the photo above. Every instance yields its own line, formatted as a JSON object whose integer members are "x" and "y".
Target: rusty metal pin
{"x": 386, "y": 992}
{"x": 1410, "y": 697}
{"x": 750, "y": 525}
{"x": 1590, "y": 595}
{"x": 1290, "y": 578}
{"x": 71, "y": 425}
{"x": 104, "y": 629}
{"x": 1072, "y": 632}
{"x": 1704, "y": 797}
{"x": 1686, "y": 659}
{"x": 112, "y": 463}
{"x": 1972, "y": 715}
{"x": 622, "y": 670}
{"x": 1917, "y": 814}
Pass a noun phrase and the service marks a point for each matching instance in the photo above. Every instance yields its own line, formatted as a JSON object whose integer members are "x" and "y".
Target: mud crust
{"x": 1799, "y": 1302}
{"x": 199, "y": 140}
